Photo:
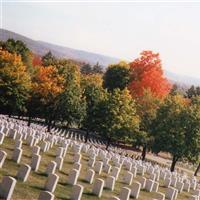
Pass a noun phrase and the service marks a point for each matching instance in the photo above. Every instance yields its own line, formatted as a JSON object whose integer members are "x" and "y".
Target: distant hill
{"x": 41, "y": 48}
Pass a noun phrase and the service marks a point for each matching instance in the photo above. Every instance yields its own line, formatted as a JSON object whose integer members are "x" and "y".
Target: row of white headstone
{"x": 175, "y": 182}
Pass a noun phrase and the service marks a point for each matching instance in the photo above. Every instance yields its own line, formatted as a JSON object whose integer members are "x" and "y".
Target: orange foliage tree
{"x": 147, "y": 74}
{"x": 47, "y": 83}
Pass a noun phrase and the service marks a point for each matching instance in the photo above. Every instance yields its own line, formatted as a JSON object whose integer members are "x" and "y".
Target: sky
{"x": 117, "y": 29}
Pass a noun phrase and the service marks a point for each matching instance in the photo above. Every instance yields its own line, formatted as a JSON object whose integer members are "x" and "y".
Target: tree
{"x": 117, "y": 76}
{"x": 48, "y": 59}
{"x": 71, "y": 104}
{"x": 47, "y": 85}
{"x": 147, "y": 74}
{"x": 97, "y": 69}
{"x": 86, "y": 69}
{"x": 192, "y": 128}
{"x": 14, "y": 83}
{"x": 147, "y": 106}
{"x": 169, "y": 129}
{"x": 116, "y": 116}
{"x": 19, "y": 48}
{"x": 193, "y": 91}
{"x": 94, "y": 94}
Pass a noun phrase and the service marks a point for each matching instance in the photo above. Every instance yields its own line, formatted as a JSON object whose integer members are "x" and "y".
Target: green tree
{"x": 169, "y": 128}
{"x": 193, "y": 91}
{"x": 97, "y": 69}
{"x": 86, "y": 69}
{"x": 147, "y": 106}
{"x": 48, "y": 59}
{"x": 94, "y": 94}
{"x": 117, "y": 76}
{"x": 192, "y": 128}
{"x": 116, "y": 117}
{"x": 70, "y": 105}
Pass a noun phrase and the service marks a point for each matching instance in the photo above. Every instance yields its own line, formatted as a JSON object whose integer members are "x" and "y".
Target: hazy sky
{"x": 121, "y": 30}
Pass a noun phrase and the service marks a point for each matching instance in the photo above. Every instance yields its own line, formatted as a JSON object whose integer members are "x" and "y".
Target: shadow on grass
{"x": 64, "y": 173}
{"x": 42, "y": 174}
{"x": 89, "y": 193}
{"x": 37, "y": 187}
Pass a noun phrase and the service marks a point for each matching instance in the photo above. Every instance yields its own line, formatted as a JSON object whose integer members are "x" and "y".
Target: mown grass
{"x": 36, "y": 180}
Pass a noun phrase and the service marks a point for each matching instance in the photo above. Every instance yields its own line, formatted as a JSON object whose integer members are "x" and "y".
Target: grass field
{"x": 36, "y": 180}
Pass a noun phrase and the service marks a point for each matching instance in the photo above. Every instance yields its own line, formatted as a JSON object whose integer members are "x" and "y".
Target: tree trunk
{"x": 108, "y": 143}
{"x": 144, "y": 152}
{"x": 49, "y": 125}
{"x": 198, "y": 168}
{"x": 174, "y": 160}
{"x": 87, "y": 135}
{"x": 29, "y": 120}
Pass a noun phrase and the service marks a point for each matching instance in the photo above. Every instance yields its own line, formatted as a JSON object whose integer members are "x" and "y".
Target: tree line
{"x": 132, "y": 103}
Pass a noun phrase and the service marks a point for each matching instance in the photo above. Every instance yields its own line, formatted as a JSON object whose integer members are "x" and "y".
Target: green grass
{"x": 36, "y": 180}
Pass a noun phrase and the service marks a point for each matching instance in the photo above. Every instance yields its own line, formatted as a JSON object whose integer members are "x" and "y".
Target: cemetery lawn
{"x": 36, "y": 180}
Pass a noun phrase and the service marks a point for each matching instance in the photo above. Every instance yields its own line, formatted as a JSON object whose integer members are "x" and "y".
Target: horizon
{"x": 178, "y": 47}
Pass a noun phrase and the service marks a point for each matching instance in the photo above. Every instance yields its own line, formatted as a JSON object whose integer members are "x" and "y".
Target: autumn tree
{"x": 14, "y": 82}
{"x": 117, "y": 76}
{"x": 147, "y": 74}
{"x": 19, "y": 48}
{"x": 46, "y": 86}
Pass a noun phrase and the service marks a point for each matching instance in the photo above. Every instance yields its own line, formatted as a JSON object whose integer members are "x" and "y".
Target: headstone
{"x": 59, "y": 152}
{"x": 186, "y": 187}
{"x": 110, "y": 182}
{"x": 23, "y": 172}
{"x": 51, "y": 167}
{"x": 59, "y": 161}
{"x": 149, "y": 185}
{"x": 77, "y": 166}
{"x": 51, "y": 182}
{"x": 160, "y": 196}
{"x": 1, "y": 138}
{"x": 7, "y": 187}
{"x": 3, "y": 155}
{"x": 35, "y": 162}
{"x": 77, "y": 191}
{"x": 179, "y": 186}
{"x": 90, "y": 176}
{"x": 98, "y": 187}
{"x": 115, "y": 172}
{"x": 170, "y": 193}
{"x": 36, "y": 150}
{"x": 17, "y": 154}
{"x": 135, "y": 189}
{"x": 167, "y": 182}
{"x": 125, "y": 193}
{"x": 98, "y": 167}
{"x": 155, "y": 186}
{"x": 128, "y": 178}
{"x": 73, "y": 177}
{"x": 142, "y": 180}
{"x": 18, "y": 144}
{"x": 77, "y": 158}
{"x": 45, "y": 195}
